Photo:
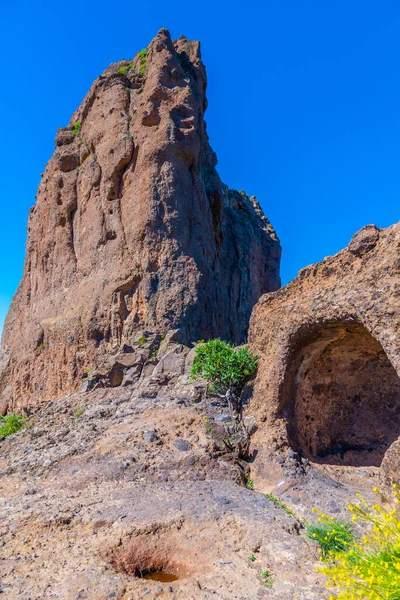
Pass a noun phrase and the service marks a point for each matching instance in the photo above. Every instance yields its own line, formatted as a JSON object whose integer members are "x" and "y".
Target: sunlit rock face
{"x": 328, "y": 386}
{"x": 133, "y": 230}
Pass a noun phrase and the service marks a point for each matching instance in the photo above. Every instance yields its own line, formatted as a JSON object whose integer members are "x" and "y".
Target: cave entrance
{"x": 343, "y": 398}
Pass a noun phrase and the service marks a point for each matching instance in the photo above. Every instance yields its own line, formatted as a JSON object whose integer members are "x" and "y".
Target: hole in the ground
{"x": 162, "y": 575}
{"x": 341, "y": 397}
{"x": 140, "y": 563}
{"x": 159, "y": 556}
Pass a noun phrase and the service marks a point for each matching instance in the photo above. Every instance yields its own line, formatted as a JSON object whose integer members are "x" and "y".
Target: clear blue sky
{"x": 304, "y": 106}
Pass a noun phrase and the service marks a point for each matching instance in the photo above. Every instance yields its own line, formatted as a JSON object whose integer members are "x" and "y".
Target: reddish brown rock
{"x": 133, "y": 230}
{"x": 390, "y": 468}
{"x": 328, "y": 385}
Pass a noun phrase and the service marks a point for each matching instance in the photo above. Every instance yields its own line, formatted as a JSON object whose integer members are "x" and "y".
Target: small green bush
{"x": 76, "y": 128}
{"x": 123, "y": 71}
{"x": 42, "y": 346}
{"x": 333, "y": 536}
{"x": 11, "y": 424}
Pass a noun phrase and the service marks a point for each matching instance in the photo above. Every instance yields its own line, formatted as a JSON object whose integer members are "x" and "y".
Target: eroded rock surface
{"x": 133, "y": 230}
{"x": 328, "y": 386}
{"x": 105, "y": 485}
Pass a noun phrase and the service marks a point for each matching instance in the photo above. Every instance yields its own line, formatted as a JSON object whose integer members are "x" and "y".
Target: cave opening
{"x": 341, "y": 399}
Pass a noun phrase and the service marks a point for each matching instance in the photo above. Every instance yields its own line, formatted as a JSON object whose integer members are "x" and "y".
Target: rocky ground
{"x": 102, "y": 486}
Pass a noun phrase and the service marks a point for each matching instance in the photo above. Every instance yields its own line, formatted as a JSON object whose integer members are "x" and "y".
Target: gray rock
{"x": 150, "y": 437}
{"x": 222, "y": 418}
{"x": 181, "y": 444}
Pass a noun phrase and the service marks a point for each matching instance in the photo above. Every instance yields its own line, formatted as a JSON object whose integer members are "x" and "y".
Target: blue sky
{"x": 304, "y": 106}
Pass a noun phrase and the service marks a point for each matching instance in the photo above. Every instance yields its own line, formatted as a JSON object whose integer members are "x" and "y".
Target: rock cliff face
{"x": 328, "y": 386}
{"x": 133, "y": 230}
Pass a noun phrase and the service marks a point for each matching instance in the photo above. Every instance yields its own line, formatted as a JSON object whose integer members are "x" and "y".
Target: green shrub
{"x": 76, "y": 128}
{"x": 42, "y": 346}
{"x": 333, "y": 536}
{"x": 123, "y": 71}
{"x": 225, "y": 368}
{"x": 11, "y": 424}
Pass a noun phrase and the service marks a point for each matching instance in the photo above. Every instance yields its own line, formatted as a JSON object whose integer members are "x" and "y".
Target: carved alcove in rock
{"x": 328, "y": 383}
{"x": 341, "y": 397}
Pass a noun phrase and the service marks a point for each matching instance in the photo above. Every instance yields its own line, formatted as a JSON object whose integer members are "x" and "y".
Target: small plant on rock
{"x": 76, "y": 128}
{"x": 79, "y": 412}
{"x": 252, "y": 558}
{"x": 268, "y": 579}
{"x": 279, "y": 504}
{"x": 333, "y": 536}
{"x": 123, "y": 71}
{"x": 249, "y": 482}
{"x": 143, "y": 61}
{"x": 11, "y": 424}
{"x": 142, "y": 340}
{"x": 230, "y": 442}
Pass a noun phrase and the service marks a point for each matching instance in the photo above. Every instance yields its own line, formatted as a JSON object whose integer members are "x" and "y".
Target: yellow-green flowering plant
{"x": 369, "y": 567}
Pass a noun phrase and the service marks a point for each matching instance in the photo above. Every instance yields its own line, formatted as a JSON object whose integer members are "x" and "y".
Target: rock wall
{"x": 328, "y": 385}
{"x": 133, "y": 230}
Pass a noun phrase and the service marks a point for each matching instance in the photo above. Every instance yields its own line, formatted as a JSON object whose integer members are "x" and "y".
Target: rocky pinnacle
{"x": 133, "y": 230}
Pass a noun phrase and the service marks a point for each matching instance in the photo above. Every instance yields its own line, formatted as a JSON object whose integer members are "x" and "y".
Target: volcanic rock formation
{"x": 133, "y": 230}
{"x": 328, "y": 385}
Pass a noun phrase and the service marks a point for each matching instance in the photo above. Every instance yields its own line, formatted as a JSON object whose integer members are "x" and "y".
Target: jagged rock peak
{"x": 133, "y": 230}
